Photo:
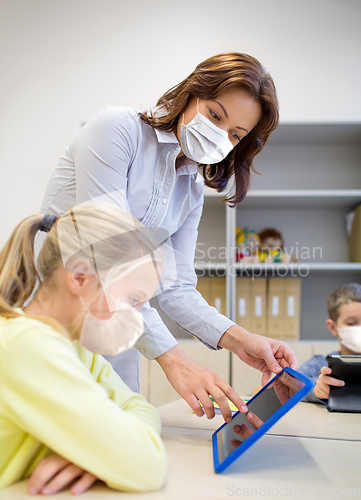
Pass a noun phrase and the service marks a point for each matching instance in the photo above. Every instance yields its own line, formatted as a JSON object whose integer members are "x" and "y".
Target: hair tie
{"x": 47, "y": 223}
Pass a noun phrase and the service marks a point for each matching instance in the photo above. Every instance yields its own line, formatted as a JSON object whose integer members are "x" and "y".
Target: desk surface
{"x": 304, "y": 420}
{"x": 274, "y": 467}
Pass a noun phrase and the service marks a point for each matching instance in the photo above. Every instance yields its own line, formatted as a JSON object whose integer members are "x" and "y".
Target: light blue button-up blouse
{"x": 116, "y": 150}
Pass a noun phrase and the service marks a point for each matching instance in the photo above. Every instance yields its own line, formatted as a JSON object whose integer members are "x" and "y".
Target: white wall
{"x": 63, "y": 61}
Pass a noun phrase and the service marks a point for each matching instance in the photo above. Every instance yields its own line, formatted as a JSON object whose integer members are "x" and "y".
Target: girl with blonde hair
{"x": 64, "y": 413}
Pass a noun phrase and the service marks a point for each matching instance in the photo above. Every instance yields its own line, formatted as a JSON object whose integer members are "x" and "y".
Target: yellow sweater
{"x": 57, "y": 397}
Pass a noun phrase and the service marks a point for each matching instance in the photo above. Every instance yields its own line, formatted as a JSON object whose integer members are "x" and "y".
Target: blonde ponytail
{"x": 18, "y": 274}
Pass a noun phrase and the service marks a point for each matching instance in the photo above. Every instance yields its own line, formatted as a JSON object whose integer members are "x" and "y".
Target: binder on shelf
{"x": 203, "y": 287}
{"x": 258, "y": 306}
{"x": 284, "y": 306}
{"x": 275, "y": 308}
{"x": 213, "y": 290}
{"x": 243, "y": 302}
{"x": 218, "y": 293}
{"x": 268, "y": 307}
{"x": 292, "y": 312}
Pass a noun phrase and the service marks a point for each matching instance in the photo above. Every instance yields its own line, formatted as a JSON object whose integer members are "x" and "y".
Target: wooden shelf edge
{"x": 210, "y": 266}
{"x": 304, "y": 193}
{"x": 311, "y": 266}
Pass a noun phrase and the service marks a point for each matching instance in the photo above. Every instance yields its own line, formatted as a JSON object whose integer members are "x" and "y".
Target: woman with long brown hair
{"x": 217, "y": 119}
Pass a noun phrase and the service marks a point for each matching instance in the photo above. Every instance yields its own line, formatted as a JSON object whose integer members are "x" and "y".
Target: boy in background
{"x": 344, "y": 311}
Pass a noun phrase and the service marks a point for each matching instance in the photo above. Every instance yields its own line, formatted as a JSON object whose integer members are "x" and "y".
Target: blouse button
{"x": 164, "y": 200}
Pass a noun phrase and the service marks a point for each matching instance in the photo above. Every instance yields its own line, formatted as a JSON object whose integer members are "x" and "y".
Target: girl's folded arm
{"x": 52, "y": 395}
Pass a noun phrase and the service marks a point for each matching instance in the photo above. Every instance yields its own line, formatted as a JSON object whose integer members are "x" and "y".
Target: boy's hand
{"x": 322, "y": 387}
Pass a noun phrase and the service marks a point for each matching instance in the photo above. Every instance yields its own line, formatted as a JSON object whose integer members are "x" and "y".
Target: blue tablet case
{"x": 220, "y": 466}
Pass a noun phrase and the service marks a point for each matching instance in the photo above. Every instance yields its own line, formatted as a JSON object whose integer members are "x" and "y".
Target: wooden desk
{"x": 274, "y": 467}
{"x": 304, "y": 420}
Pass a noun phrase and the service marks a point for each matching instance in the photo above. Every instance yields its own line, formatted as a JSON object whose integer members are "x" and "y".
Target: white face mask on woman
{"x": 114, "y": 335}
{"x": 204, "y": 142}
{"x": 350, "y": 337}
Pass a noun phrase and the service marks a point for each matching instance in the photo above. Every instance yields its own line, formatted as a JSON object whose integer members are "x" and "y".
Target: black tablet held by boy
{"x": 348, "y": 397}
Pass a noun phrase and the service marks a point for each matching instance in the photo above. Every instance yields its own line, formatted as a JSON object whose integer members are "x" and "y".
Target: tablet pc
{"x": 347, "y": 398}
{"x": 274, "y": 400}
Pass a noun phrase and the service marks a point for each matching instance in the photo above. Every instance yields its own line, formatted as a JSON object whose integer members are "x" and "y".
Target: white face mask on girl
{"x": 114, "y": 335}
{"x": 204, "y": 142}
{"x": 350, "y": 337}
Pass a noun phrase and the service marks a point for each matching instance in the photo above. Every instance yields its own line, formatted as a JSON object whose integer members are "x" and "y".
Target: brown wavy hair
{"x": 342, "y": 295}
{"x": 209, "y": 79}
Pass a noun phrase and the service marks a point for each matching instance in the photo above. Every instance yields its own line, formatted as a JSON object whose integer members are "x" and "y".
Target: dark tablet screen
{"x": 272, "y": 397}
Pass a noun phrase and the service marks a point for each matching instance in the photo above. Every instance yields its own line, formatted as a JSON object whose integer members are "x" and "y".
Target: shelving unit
{"x": 312, "y": 180}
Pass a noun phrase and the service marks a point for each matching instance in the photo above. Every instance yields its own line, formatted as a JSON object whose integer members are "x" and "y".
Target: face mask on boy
{"x": 350, "y": 337}
{"x": 204, "y": 142}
